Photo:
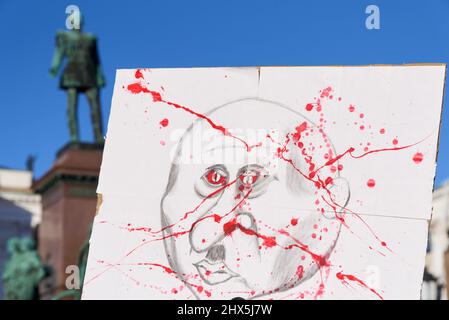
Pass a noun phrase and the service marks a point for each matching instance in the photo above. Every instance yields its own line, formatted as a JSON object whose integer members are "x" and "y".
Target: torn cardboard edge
{"x": 415, "y": 64}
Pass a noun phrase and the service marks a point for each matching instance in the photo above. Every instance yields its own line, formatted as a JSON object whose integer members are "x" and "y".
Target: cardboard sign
{"x": 267, "y": 183}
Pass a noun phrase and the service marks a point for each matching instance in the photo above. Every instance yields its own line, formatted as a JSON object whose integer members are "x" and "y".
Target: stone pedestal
{"x": 69, "y": 200}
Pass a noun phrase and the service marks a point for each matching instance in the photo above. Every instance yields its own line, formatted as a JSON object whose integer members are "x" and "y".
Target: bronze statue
{"x": 23, "y": 271}
{"x": 82, "y": 74}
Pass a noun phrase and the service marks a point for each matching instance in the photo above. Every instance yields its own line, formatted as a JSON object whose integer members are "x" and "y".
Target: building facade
{"x": 436, "y": 273}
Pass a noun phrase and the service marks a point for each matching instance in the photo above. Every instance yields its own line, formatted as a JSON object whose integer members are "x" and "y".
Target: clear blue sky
{"x": 197, "y": 33}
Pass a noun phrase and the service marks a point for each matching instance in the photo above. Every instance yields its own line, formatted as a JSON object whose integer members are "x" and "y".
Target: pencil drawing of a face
{"x": 260, "y": 202}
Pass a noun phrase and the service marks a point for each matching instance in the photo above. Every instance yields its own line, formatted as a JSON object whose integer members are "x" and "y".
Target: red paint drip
{"x": 371, "y": 183}
{"x": 350, "y": 277}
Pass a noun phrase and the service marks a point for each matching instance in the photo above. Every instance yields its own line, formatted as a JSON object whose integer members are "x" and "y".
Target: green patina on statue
{"x": 23, "y": 271}
{"x": 82, "y": 74}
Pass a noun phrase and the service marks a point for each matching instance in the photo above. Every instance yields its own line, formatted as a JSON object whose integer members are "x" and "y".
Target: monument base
{"x": 69, "y": 200}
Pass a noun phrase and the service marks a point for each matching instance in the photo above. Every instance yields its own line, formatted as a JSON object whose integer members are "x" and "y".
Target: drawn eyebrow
{"x": 252, "y": 166}
{"x": 218, "y": 165}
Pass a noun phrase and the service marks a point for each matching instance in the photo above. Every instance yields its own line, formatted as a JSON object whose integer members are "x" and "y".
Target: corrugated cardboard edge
{"x": 99, "y": 203}
{"x": 412, "y": 64}
{"x": 436, "y": 158}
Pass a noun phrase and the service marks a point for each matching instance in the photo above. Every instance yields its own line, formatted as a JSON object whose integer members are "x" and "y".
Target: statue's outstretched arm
{"x": 58, "y": 55}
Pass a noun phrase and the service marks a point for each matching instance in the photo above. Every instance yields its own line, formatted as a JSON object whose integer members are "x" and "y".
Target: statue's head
{"x": 255, "y": 216}
{"x": 27, "y": 244}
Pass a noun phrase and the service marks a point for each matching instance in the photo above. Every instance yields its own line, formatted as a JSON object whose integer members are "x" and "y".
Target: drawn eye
{"x": 249, "y": 177}
{"x": 254, "y": 177}
{"x": 215, "y": 177}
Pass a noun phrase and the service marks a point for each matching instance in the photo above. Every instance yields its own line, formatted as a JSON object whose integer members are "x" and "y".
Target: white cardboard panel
{"x": 302, "y": 215}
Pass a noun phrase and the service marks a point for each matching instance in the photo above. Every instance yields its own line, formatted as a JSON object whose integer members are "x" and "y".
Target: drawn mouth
{"x": 213, "y": 273}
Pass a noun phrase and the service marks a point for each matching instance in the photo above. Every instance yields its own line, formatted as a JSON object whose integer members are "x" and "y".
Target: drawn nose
{"x": 216, "y": 253}
{"x": 211, "y": 228}
{"x": 246, "y": 220}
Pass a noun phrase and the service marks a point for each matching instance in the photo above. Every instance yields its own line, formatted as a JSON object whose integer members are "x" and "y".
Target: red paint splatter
{"x": 395, "y": 141}
{"x": 137, "y": 88}
{"x": 294, "y": 222}
{"x": 300, "y": 271}
{"x": 382, "y": 131}
{"x": 309, "y": 107}
{"x": 166, "y": 269}
{"x": 371, "y": 183}
{"x": 299, "y": 130}
{"x": 418, "y": 157}
{"x": 269, "y": 242}
{"x": 326, "y": 92}
{"x": 164, "y": 122}
{"x": 320, "y": 291}
{"x": 229, "y": 227}
{"x": 139, "y": 74}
